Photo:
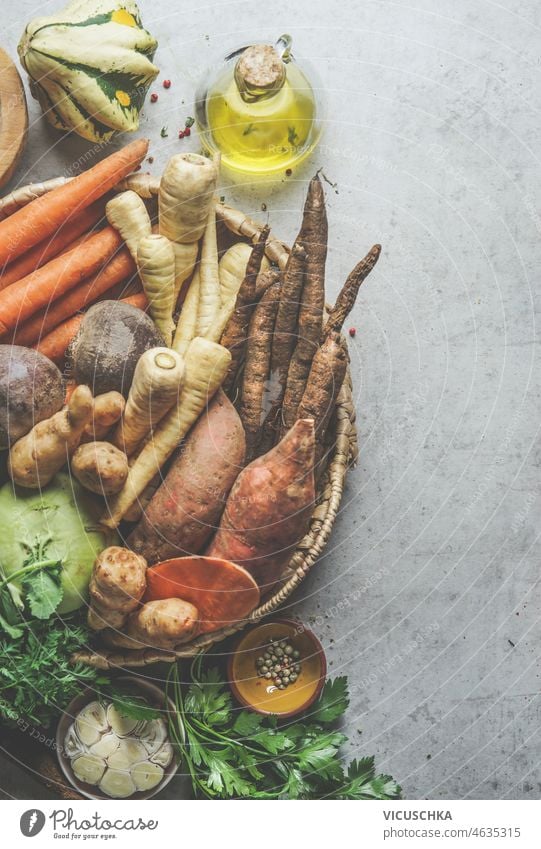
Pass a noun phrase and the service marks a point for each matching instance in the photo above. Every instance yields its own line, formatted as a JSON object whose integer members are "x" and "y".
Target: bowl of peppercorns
{"x": 278, "y": 667}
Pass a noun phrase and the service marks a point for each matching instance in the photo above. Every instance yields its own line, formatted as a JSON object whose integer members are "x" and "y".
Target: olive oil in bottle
{"x": 261, "y": 112}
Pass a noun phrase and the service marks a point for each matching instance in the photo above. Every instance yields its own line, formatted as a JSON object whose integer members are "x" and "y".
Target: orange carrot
{"x": 46, "y": 214}
{"x": 23, "y": 298}
{"x": 121, "y": 266}
{"x": 52, "y": 245}
{"x": 55, "y": 344}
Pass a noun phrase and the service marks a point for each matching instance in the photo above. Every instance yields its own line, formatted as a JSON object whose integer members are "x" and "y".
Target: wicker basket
{"x": 341, "y": 453}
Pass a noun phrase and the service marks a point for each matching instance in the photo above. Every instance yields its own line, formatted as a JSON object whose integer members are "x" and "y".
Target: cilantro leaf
{"x": 43, "y": 590}
{"x": 333, "y": 702}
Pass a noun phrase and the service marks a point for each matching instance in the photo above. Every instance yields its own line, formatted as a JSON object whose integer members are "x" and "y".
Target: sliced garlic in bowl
{"x": 118, "y": 784}
{"x": 106, "y": 753}
{"x": 91, "y": 723}
{"x": 146, "y": 775}
{"x": 105, "y": 747}
{"x": 88, "y": 768}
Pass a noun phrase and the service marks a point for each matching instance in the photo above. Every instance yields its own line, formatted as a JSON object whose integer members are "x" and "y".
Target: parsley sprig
{"x": 237, "y": 753}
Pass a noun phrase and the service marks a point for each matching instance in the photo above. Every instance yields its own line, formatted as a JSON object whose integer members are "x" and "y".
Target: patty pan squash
{"x": 90, "y": 66}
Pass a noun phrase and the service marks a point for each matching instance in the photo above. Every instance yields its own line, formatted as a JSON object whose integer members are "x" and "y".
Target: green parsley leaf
{"x": 209, "y": 699}
{"x": 247, "y": 723}
{"x": 320, "y": 755}
{"x": 129, "y": 702}
{"x": 363, "y": 783}
{"x": 163, "y": 133}
{"x": 333, "y": 702}
{"x": 292, "y": 135}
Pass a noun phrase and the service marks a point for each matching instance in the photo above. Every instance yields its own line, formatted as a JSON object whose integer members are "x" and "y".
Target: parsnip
{"x": 209, "y": 282}
{"x": 155, "y": 388}
{"x": 187, "y": 323}
{"x": 232, "y": 269}
{"x": 36, "y": 458}
{"x": 206, "y": 366}
{"x": 128, "y": 214}
{"x": 185, "y": 197}
{"x": 156, "y": 262}
{"x": 185, "y": 259}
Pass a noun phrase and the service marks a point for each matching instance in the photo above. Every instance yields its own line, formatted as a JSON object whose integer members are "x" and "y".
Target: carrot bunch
{"x": 55, "y": 262}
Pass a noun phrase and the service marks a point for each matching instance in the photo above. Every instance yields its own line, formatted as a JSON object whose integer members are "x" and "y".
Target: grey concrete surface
{"x": 428, "y": 595}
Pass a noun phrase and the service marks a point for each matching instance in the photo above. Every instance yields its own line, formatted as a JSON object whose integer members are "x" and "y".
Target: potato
{"x": 112, "y": 337}
{"x": 31, "y": 390}
{"x": 100, "y": 467}
{"x": 186, "y": 509}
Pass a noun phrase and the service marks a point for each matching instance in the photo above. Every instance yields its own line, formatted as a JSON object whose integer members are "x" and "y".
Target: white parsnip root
{"x": 187, "y": 323}
{"x": 128, "y": 214}
{"x": 185, "y": 259}
{"x": 232, "y": 269}
{"x": 156, "y": 261}
{"x": 185, "y": 196}
{"x": 155, "y": 388}
{"x": 206, "y": 366}
{"x": 209, "y": 281}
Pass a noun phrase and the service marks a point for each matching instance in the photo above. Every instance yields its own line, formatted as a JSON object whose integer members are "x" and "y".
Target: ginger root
{"x": 117, "y": 586}
{"x": 100, "y": 467}
{"x": 35, "y": 459}
{"x": 160, "y": 624}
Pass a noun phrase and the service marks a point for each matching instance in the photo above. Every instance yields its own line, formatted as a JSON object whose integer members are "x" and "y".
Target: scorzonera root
{"x": 234, "y": 335}
{"x": 185, "y": 196}
{"x": 106, "y": 412}
{"x": 232, "y": 269}
{"x": 155, "y": 388}
{"x": 283, "y": 342}
{"x": 156, "y": 262}
{"x": 313, "y": 237}
{"x": 348, "y": 294}
{"x": 206, "y": 365}
{"x": 116, "y": 588}
{"x": 128, "y": 214}
{"x": 185, "y": 510}
{"x": 324, "y": 382}
{"x": 100, "y": 467}
{"x": 255, "y": 382}
{"x": 158, "y": 624}
{"x": 268, "y": 509}
{"x": 36, "y": 458}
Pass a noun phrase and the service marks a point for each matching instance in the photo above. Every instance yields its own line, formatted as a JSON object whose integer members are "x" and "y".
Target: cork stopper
{"x": 259, "y": 71}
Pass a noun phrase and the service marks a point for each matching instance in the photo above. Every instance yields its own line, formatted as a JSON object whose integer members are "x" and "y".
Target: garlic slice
{"x": 88, "y": 768}
{"x": 91, "y": 723}
{"x": 154, "y": 735}
{"x": 121, "y": 725}
{"x": 129, "y": 752}
{"x": 105, "y": 747}
{"x": 163, "y": 756}
{"x": 117, "y": 784}
{"x": 146, "y": 775}
{"x": 72, "y": 743}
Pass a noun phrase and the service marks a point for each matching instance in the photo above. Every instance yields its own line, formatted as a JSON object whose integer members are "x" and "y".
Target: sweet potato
{"x": 222, "y": 592}
{"x": 269, "y": 507}
{"x": 186, "y": 509}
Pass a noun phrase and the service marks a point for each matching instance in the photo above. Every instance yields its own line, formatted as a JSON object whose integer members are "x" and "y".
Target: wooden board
{"x": 13, "y": 117}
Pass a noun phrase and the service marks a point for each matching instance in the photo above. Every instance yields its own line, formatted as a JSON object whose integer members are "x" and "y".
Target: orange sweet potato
{"x": 269, "y": 507}
{"x": 185, "y": 510}
{"x": 221, "y": 591}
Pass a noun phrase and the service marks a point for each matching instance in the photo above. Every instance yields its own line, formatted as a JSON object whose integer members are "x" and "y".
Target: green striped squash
{"x": 90, "y": 66}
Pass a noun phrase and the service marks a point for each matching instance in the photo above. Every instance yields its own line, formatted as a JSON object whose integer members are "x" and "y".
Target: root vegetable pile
{"x": 204, "y": 374}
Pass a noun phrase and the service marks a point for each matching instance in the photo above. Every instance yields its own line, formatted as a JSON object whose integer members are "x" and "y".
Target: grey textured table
{"x": 428, "y": 597}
